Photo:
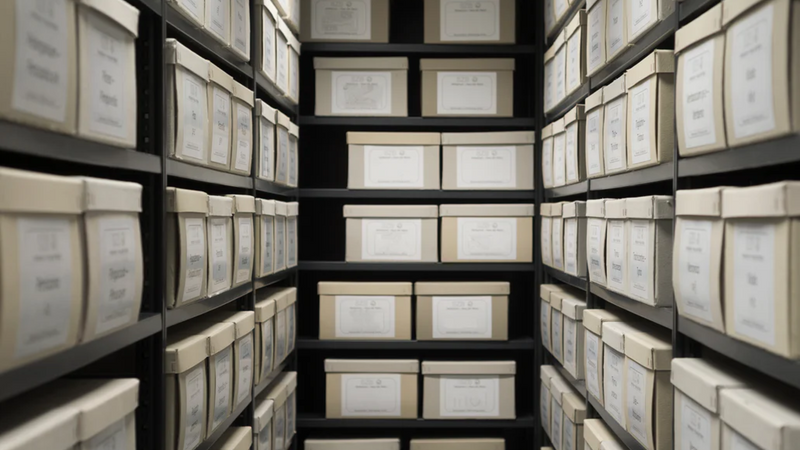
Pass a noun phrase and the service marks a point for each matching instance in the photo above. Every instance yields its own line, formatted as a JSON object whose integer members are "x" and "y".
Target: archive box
{"x": 547, "y": 156}
{"x": 467, "y": 87}
{"x": 555, "y": 76}
{"x": 240, "y": 29}
{"x": 574, "y": 150}
{"x": 281, "y": 212}
{"x": 235, "y": 438}
{"x": 615, "y": 129}
{"x": 355, "y": 21}
{"x": 267, "y": 18}
{"x": 462, "y": 311}
{"x": 546, "y": 374}
{"x": 277, "y": 392}
{"x": 220, "y": 92}
{"x": 594, "y": 134}
{"x": 557, "y": 323}
{"x": 283, "y": 39}
{"x": 288, "y": 380}
{"x": 264, "y": 338}
{"x": 364, "y": 311}
{"x": 596, "y": 241}
{"x": 391, "y": 233}
{"x": 262, "y": 421}
{"x": 616, "y": 28}
{"x": 293, "y": 65}
{"x": 574, "y": 407}
{"x": 353, "y": 444}
{"x": 643, "y": 16}
{"x": 186, "y": 91}
{"x": 217, "y": 23}
{"x": 458, "y": 444}
{"x": 282, "y": 148}
{"x": 488, "y": 161}
{"x": 595, "y": 36}
{"x": 285, "y": 299}
{"x": 545, "y": 292}
{"x": 193, "y": 10}
{"x": 42, "y": 424}
{"x": 393, "y": 160}
{"x": 593, "y": 320}
{"x": 487, "y": 233}
{"x": 557, "y": 234}
{"x": 242, "y": 130}
{"x": 264, "y": 263}
{"x": 187, "y": 273}
{"x": 219, "y": 369}
{"x": 559, "y": 153}
{"x": 574, "y": 216}
{"x": 572, "y": 309}
{"x": 616, "y": 246}
{"x": 575, "y": 35}
{"x": 220, "y": 244}
{"x": 265, "y": 141}
{"x": 456, "y": 22}
{"x": 546, "y": 234}
{"x": 615, "y": 370}
{"x": 371, "y": 389}
{"x": 244, "y": 208}
{"x": 361, "y": 87}
{"x": 597, "y": 436}
{"x": 294, "y": 154}
{"x": 559, "y": 388}
{"x": 292, "y": 214}
{"x": 455, "y": 390}
{"x": 187, "y": 394}
{"x": 243, "y": 351}
{"x": 755, "y": 419}
{"x": 290, "y": 12}
{"x": 650, "y": 249}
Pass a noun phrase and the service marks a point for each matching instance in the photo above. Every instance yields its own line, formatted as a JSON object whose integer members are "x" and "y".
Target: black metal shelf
{"x": 568, "y": 103}
{"x": 416, "y": 49}
{"x": 525, "y": 343}
{"x": 273, "y": 375}
{"x": 22, "y": 379}
{"x": 420, "y": 194}
{"x": 153, "y": 5}
{"x": 200, "y": 307}
{"x": 659, "y": 316}
{"x": 627, "y": 439}
{"x": 268, "y": 187}
{"x": 755, "y": 156}
{"x": 692, "y": 8}
{"x": 419, "y": 122}
{"x": 571, "y": 11}
{"x": 271, "y": 279}
{"x": 566, "y": 191}
{"x": 276, "y": 97}
{"x": 179, "y": 169}
{"x": 576, "y": 282}
{"x": 653, "y": 174}
{"x": 306, "y": 421}
{"x": 223, "y": 427}
{"x": 579, "y": 386}
{"x": 340, "y": 266}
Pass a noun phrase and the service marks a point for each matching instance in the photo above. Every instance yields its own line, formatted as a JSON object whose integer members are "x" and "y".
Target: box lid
{"x": 595, "y": 431}
{"x": 371, "y": 366}
{"x": 243, "y": 204}
{"x": 762, "y": 419}
{"x": 615, "y": 333}
{"x": 364, "y": 288}
{"x": 731, "y": 9}
{"x": 702, "y": 380}
{"x": 283, "y": 29}
{"x": 265, "y": 207}
{"x": 557, "y": 297}
{"x": 576, "y": 23}
{"x": 42, "y": 192}
{"x": 573, "y": 308}
{"x": 466, "y": 64}
{"x": 273, "y": 12}
{"x": 557, "y": 43}
{"x": 651, "y": 349}
{"x": 282, "y": 119}
{"x": 178, "y": 54}
{"x": 271, "y": 293}
{"x": 391, "y": 211}
{"x": 118, "y": 11}
{"x": 596, "y": 208}
{"x": 241, "y": 93}
{"x": 558, "y": 126}
{"x": 219, "y": 206}
{"x": 184, "y": 352}
{"x": 294, "y": 130}
{"x": 469, "y": 367}
{"x": 700, "y": 28}
{"x": 110, "y": 195}
{"x": 649, "y": 207}
{"x": 186, "y": 201}
{"x": 590, "y": 3}
{"x": 392, "y": 138}
{"x": 294, "y": 44}
{"x": 361, "y": 63}
{"x": 660, "y": 61}
{"x": 277, "y": 393}
{"x": 559, "y": 387}
{"x": 557, "y": 209}
{"x": 546, "y": 373}
{"x": 547, "y": 131}
{"x": 235, "y": 438}
{"x": 594, "y": 100}
{"x": 265, "y": 111}
{"x": 699, "y": 202}
{"x": 263, "y": 413}
{"x": 218, "y": 336}
{"x": 573, "y": 209}
{"x": 353, "y": 444}
{"x": 593, "y": 319}
{"x": 243, "y": 321}
{"x": 99, "y": 402}
{"x": 546, "y": 290}
{"x": 288, "y": 381}
{"x": 575, "y": 114}
{"x": 615, "y": 209}
{"x": 767, "y": 200}
{"x": 544, "y": 209}
{"x": 39, "y": 426}
{"x": 220, "y": 77}
{"x": 462, "y": 288}
{"x": 614, "y": 89}
{"x": 265, "y": 310}
{"x": 496, "y": 210}
{"x": 458, "y": 444}
{"x": 574, "y": 407}
{"x": 283, "y": 296}
{"x": 293, "y": 209}
{"x": 490, "y": 138}
{"x": 281, "y": 208}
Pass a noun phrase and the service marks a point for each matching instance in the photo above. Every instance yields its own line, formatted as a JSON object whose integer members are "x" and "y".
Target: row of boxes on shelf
{"x": 72, "y": 69}
{"x": 277, "y": 49}
{"x": 409, "y": 233}
{"x": 387, "y": 389}
{"x": 275, "y": 416}
{"x": 414, "y": 444}
{"x": 72, "y": 262}
{"x": 379, "y": 87}
{"x": 226, "y": 21}
{"x": 217, "y": 243}
{"x": 562, "y": 411}
{"x": 235, "y": 438}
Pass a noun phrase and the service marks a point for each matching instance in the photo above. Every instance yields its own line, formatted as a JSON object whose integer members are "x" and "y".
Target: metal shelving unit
{"x": 429, "y": 123}
{"x": 337, "y": 266}
{"x": 571, "y": 280}
{"x": 525, "y": 343}
{"x": 178, "y": 169}
{"x": 200, "y": 307}
{"x": 414, "y": 194}
{"x": 568, "y": 103}
{"x": 654, "y": 174}
{"x": 756, "y": 156}
{"x": 320, "y": 48}
{"x": 659, "y": 316}
{"x": 321, "y": 423}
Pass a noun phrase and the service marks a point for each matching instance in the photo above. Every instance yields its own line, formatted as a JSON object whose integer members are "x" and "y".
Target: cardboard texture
{"x": 358, "y": 311}
{"x": 393, "y": 160}
{"x": 330, "y": 21}
{"x": 596, "y": 241}
{"x": 594, "y": 134}
{"x": 508, "y": 230}
{"x": 616, "y": 246}
{"x": 412, "y": 229}
{"x": 593, "y": 320}
{"x": 575, "y": 223}
{"x": 451, "y": 22}
{"x": 615, "y": 125}
{"x": 343, "y": 90}
{"x": 187, "y": 100}
{"x": 467, "y": 87}
{"x": 352, "y": 389}
{"x": 462, "y": 311}
{"x": 615, "y": 370}
{"x": 762, "y": 418}
{"x": 353, "y": 444}
{"x": 444, "y": 397}
{"x": 595, "y": 36}
{"x": 488, "y": 161}
{"x": 649, "y": 260}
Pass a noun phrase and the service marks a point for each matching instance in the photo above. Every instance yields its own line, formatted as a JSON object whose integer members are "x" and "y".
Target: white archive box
{"x": 262, "y": 421}
{"x": 446, "y": 399}
{"x": 572, "y": 308}
{"x": 266, "y": 58}
{"x": 550, "y": 78}
{"x": 559, "y": 71}
{"x": 575, "y": 222}
{"x": 220, "y": 244}
{"x": 488, "y": 161}
{"x": 217, "y": 23}
{"x": 187, "y": 104}
{"x": 394, "y": 160}
{"x": 546, "y": 374}
{"x": 282, "y": 36}
{"x": 574, "y": 407}
{"x": 277, "y": 393}
{"x": 292, "y": 91}
{"x": 559, "y": 153}
{"x": 557, "y": 323}
{"x": 240, "y": 29}
{"x": 615, "y": 126}
{"x": 598, "y": 436}
{"x": 292, "y": 214}
{"x": 39, "y": 424}
{"x": 285, "y": 299}
{"x": 242, "y": 129}
{"x": 697, "y": 256}
{"x": 186, "y": 390}
{"x": 559, "y": 388}
{"x": 374, "y": 311}
{"x": 547, "y": 156}
{"x": 596, "y": 241}
{"x": 616, "y": 28}
{"x": 193, "y": 10}
{"x": 761, "y": 264}
{"x": 282, "y": 148}
{"x": 486, "y": 22}
{"x": 615, "y": 369}
{"x": 294, "y": 154}
{"x": 595, "y": 36}
{"x": 545, "y": 235}
{"x": 356, "y": 21}
{"x": 187, "y": 251}
{"x": 290, "y": 13}
{"x": 616, "y": 246}
{"x": 557, "y": 234}
{"x": 650, "y": 249}
{"x": 361, "y": 87}
{"x": 265, "y": 238}
{"x": 244, "y": 208}
{"x": 487, "y": 233}
{"x": 353, "y": 444}
{"x": 265, "y": 337}
{"x": 220, "y": 91}
{"x": 279, "y": 235}
{"x": 235, "y": 438}
{"x": 758, "y": 420}
{"x": 545, "y": 292}
{"x": 370, "y": 388}
{"x": 593, "y": 320}
{"x": 392, "y": 233}
{"x": 467, "y": 87}
{"x": 265, "y": 142}
{"x": 114, "y": 261}
{"x": 594, "y": 135}
{"x": 575, "y": 145}
{"x": 457, "y": 444}
{"x": 288, "y": 303}
{"x": 464, "y": 311}
{"x": 107, "y": 32}
{"x": 243, "y": 350}
{"x": 288, "y": 382}
{"x": 575, "y": 35}
{"x": 643, "y": 16}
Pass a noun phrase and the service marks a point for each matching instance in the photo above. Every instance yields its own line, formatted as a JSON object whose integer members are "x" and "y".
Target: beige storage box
{"x": 288, "y": 382}
{"x": 356, "y": 21}
{"x": 265, "y": 237}
{"x": 187, "y": 104}
{"x": 40, "y": 84}
{"x": 285, "y": 299}
{"x": 187, "y": 394}
{"x": 545, "y": 292}
{"x": 546, "y": 234}
{"x": 244, "y": 207}
{"x": 547, "y": 156}
{"x": 700, "y": 59}
{"x": 761, "y": 265}
{"x": 650, "y": 249}
{"x": 282, "y": 148}
{"x": 468, "y": 390}
{"x": 755, "y": 420}
{"x": 392, "y": 233}
{"x": 754, "y": 112}
{"x": 574, "y": 407}
{"x": 294, "y": 144}
{"x": 560, "y": 8}
{"x": 651, "y": 109}
{"x": 575, "y": 34}
{"x": 220, "y": 244}
{"x": 281, "y": 212}
{"x": 572, "y": 307}
{"x": 559, "y": 153}
{"x": 217, "y": 23}
{"x": 458, "y": 444}
{"x": 240, "y": 29}
{"x": 293, "y": 66}
{"x": 265, "y": 337}
{"x": 593, "y": 135}
{"x": 487, "y": 233}
{"x": 292, "y": 213}
{"x": 546, "y": 374}
{"x": 282, "y": 36}
{"x": 557, "y": 323}
{"x": 265, "y": 142}
{"x": 615, "y": 369}
{"x": 243, "y": 352}
{"x": 393, "y": 160}
{"x": 242, "y": 130}
{"x": 353, "y": 444}
{"x": 488, "y": 161}
{"x": 467, "y": 87}
{"x": 596, "y": 241}
{"x": 574, "y": 153}
{"x": 559, "y": 388}
{"x": 615, "y": 129}
{"x": 187, "y": 271}
{"x": 574, "y": 216}
{"x": 113, "y": 243}
{"x": 597, "y": 436}
{"x": 595, "y": 36}
{"x": 616, "y": 28}
{"x": 291, "y": 319}
{"x": 44, "y": 424}
{"x": 643, "y": 16}
{"x": 557, "y": 234}
{"x": 555, "y": 72}
{"x": 220, "y": 91}
{"x": 193, "y": 10}
{"x": 462, "y": 311}
{"x": 107, "y": 32}
{"x": 371, "y": 389}
{"x": 266, "y": 58}
{"x": 262, "y": 422}
{"x": 290, "y": 12}
{"x": 616, "y": 246}
{"x": 455, "y": 22}
{"x": 697, "y": 256}
{"x": 361, "y": 87}
{"x": 593, "y": 320}
{"x": 278, "y": 395}
{"x": 364, "y": 311}
{"x": 235, "y": 438}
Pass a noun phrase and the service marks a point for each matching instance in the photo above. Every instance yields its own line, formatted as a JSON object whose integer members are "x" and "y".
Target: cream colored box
{"x": 596, "y": 241}
{"x": 357, "y": 21}
{"x": 287, "y": 381}
{"x": 244, "y": 207}
{"x": 761, "y": 265}
{"x": 220, "y": 91}
{"x": 458, "y": 444}
{"x": 278, "y": 394}
{"x": 445, "y": 397}
{"x": 114, "y": 261}
{"x": 361, "y": 87}
{"x": 352, "y": 444}
{"x": 557, "y": 234}
{"x": 643, "y": 16}
{"x": 697, "y": 256}
{"x": 371, "y": 389}
{"x": 617, "y": 28}
{"x": 650, "y": 249}
{"x": 755, "y": 419}
{"x": 616, "y": 246}
{"x": 463, "y": 311}
{"x": 546, "y": 238}
{"x": 107, "y": 32}
{"x": 545, "y": 291}
{"x": 294, "y": 149}
{"x": 283, "y": 148}
{"x": 243, "y": 351}
{"x": 264, "y": 263}
{"x": 594, "y": 135}
{"x": 242, "y": 130}
{"x": 575, "y": 35}
{"x": 597, "y": 436}
{"x": 187, "y": 271}
{"x": 575, "y": 149}
{"x": 235, "y": 438}
{"x": 240, "y": 29}
{"x": 217, "y": 23}
{"x": 39, "y": 422}
{"x": 595, "y": 36}
{"x": 265, "y": 141}
{"x": 560, "y": 8}
{"x": 264, "y": 337}
{"x": 187, "y": 393}
{"x": 572, "y": 309}
{"x": 574, "y": 217}
{"x": 187, "y": 104}
{"x": 291, "y": 319}
{"x": 488, "y": 161}
{"x": 394, "y": 160}
{"x": 487, "y": 233}
{"x": 547, "y": 156}
{"x": 266, "y": 57}
{"x": 651, "y": 109}
{"x": 283, "y": 35}
{"x": 555, "y": 72}
{"x": 364, "y": 311}
{"x": 292, "y": 213}
{"x": 546, "y": 374}
{"x": 559, "y": 389}
{"x": 574, "y": 407}
{"x": 615, "y": 125}
{"x": 615, "y": 369}
{"x": 292, "y": 92}
{"x": 593, "y": 320}
{"x": 411, "y": 230}
{"x": 281, "y": 212}
{"x": 467, "y": 87}
{"x": 262, "y": 421}
{"x": 285, "y": 299}
{"x": 290, "y": 12}
{"x": 557, "y": 323}
{"x": 549, "y": 18}
{"x": 454, "y": 22}
{"x": 43, "y": 93}
{"x": 559, "y": 153}
{"x": 700, "y": 59}
{"x": 193, "y": 10}
{"x": 220, "y": 244}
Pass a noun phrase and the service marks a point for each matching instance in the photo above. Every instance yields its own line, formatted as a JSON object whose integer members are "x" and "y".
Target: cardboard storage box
{"x": 217, "y": 23}
{"x": 361, "y": 87}
{"x": 557, "y": 323}
{"x": 281, "y": 211}
{"x": 353, "y": 444}
{"x": 293, "y": 53}
{"x": 559, "y": 388}
{"x": 468, "y": 390}
{"x": 616, "y": 28}
{"x": 371, "y": 389}
{"x": 697, "y": 256}
{"x": 187, "y": 271}
{"x": 290, "y": 12}
{"x": 294, "y": 144}
{"x": 262, "y": 421}
{"x": 595, "y": 36}
{"x": 488, "y": 161}
{"x": 574, "y": 407}
{"x": 392, "y": 233}
{"x": 546, "y": 374}
{"x": 487, "y": 233}
{"x": 593, "y": 135}
{"x": 265, "y": 141}
{"x": 546, "y": 238}
{"x": 193, "y": 10}
{"x": 467, "y": 87}
{"x": 574, "y": 216}
{"x": 455, "y": 22}
{"x": 357, "y": 21}
{"x": 547, "y": 156}
{"x": 220, "y": 91}
{"x": 593, "y": 320}
{"x": 615, "y": 129}
{"x": 288, "y": 382}
{"x": 575, "y": 34}
{"x": 559, "y": 71}
{"x": 393, "y": 160}
{"x": 559, "y": 153}
{"x": 114, "y": 264}
{"x": 278, "y": 394}
{"x": 39, "y": 424}
{"x": 266, "y": 58}
{"x": 107, "y": 32}
{"x": 265, "y": 238}
{"x": 282, "y": 36}
{"x": 187, "y": 394}
{"x": 235, "y": 438}
{"x": 292, "y": 213}
{"x": 285, "y": 299}
{"x": 462, "y": 311}
{"x": 557, "y": 234}
{"x": 545, "y": 291}
{"x": 242, "y": 130}
{"x": 549, "y": 72}
{"x": 616, "y": 246}
{"x": 650, "y": 249}
{"x": 265, "y": 337}
{"x": 549, "y": 18}
{"x": 643, "y": 16}
{"x": 596, "y": 241}
{"x": 364, "y": 311}
{"x": 244, "y": 207}
{"x": 282, "y": 148}
{"x": 761, "y": 266}
{"x": 458, "y": 444}
{"x": 572, "y": 309}
{"x": 243, "y": 351}
{"x": 560, "y": 8}
{"x": 291, "y": 319}
{"x": 187, "y": 104}
{"x": 597, "y": 436}
{"x": 574, "y": 152}
{"x": 700, "y": 58}
{"x": 615, "y": 370}
{"x": 758, "y": 420}
{"x": 240, "y": 29}
{"x": 220, "y": 244}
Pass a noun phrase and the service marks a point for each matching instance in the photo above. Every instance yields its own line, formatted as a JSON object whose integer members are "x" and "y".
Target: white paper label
{"x": 560, "y": 61}
{"x": 222, "y": 394}
{"x": 556, "y": 419}
{"x": 280, "y": 336}
{"x": 282, "y": 62}
{"x": 571, "y": 154}
{"x": 114, "y": 437}
{"x": 267, "y": 244}
{"x": 549, "y": 89}
{"x": 365, "y": 316}
{"x": 695, "y": 426}
{"x": 487, "y": 238}
{"x": 195, "y": 258}
{"x": 194, "y": 117}
{"x": 240, "y": 35}
{"x": 469, "y": 396}
{"x": 107, "y": 49}
{"x": 637, "y": 401}
{"x": 280, "y": 243}
{"x": 244, "y": 138}
{"x": 641, "y": 16}
{"x": 547, "y": 161}
{"x": 118, "y": 251}
{"x": 593, "y": 150}
{"x": 615, "y": 135}
{"x": 365, "y": 93}
{"x": 294, "y": 74}
{"x": 558, "y": 242}
{"x": 486, "y": 167}
{"x": 469, "y": 20}
{"x": 462, "y": 317}
{"x": 546, "y": 240}
{"x": 574, "y": 68}
{"x": 754, "y": 280}
{"x": 219, "y": 253}
{"x": 592, "y": 373}
{"x": 293, "y": 160}
{"x": 560, "y": 8}
{"x": 245, "y": 376}
{"x": 193, "y": 7}
{"x": 751, "y": 72}
{"x": 267, "y": 349}
{"x": 267, "y": 150}
{"x": 640, "y": 122}
{"x": 391, "y": 239}
{"x": 694, "y": 268}
{"x": 569, "y": 433}
{"x": 615, "y": 27}
{"x": 570, "y": 348}
{"x": 282, "y": 169}
{"x": 371, "y": 395}
{"x": 279, "y": 424}
{"x": 217, "y": 18}
{"x": 467, "y": 93}
{"x": 545, "y": 319}
{"x": 613, "y": 384}
{"x": 739, "y": 442}
{"x": 291, "y": 241}
{"x": 290, "y": 323}
{"x": 335, "y": 19}
{"x": 557, "y": 340}
{"x": 221, "y": 126}
{"x": 595, "y": 258}
{"x": 698, "y": 95}
{"x": 571, "y": 246}
{"x": 559, "y": 160}
{"x": 616, "y": 255}
{"x": 394, "y": 166}
{"x": 596, "y": 28}
{"x": 640, "y": 275}
{"x": 268, "y": 55}
{"x": 41, "y": 62}
{"x": 544, "y": 406}
{"x": 193, "y": 408}
{"x": 245, "y": 242}
{"x": 265, "y": 437}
